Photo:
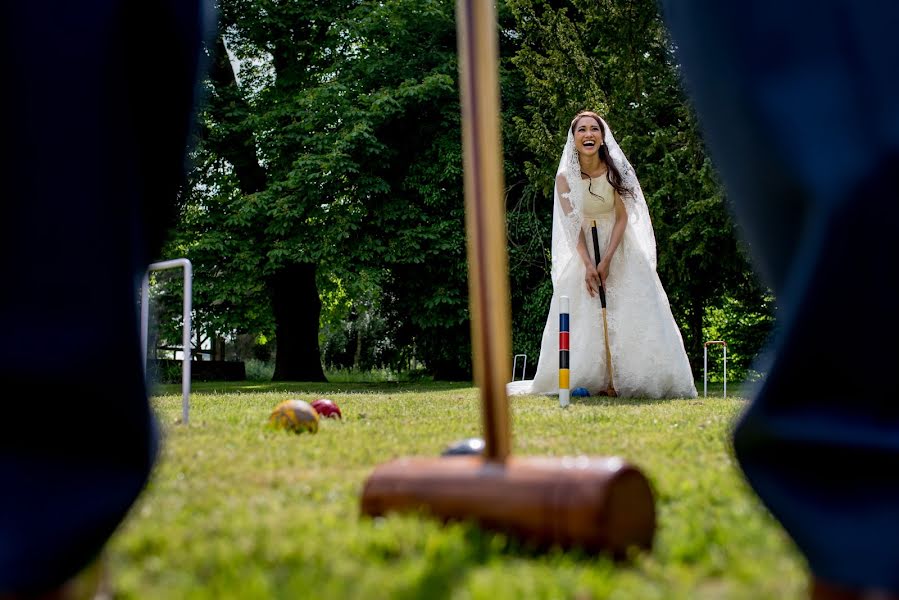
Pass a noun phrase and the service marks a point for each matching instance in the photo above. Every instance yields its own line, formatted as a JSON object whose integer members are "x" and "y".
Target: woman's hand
{"x": 603, "y": 269}
{"x": 591, "y": 278}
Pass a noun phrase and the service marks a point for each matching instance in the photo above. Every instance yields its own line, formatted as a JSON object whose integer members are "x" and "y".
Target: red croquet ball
{"x": 327, "y": 408}
{"x": 295, "y": 415}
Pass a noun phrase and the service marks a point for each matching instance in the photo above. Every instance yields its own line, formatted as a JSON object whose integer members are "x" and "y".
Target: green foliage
{"x": 530, "y": 321}
{"x": 414, "y": 225}
{"x": 341, "y": 147}
{"x": 163, "y": 371}
{"x": 165, "y": 312}
{"x": 216, "y": 221}
{"x": 615, "y": 58}
{"x": 352, "y": 112}
{"x": 258, "y": 370}
{"x": 382, "y": 375}
{"x": 235, "y": 510}
{"x": 354, "y": 333}
{"x": 746, "y": 330}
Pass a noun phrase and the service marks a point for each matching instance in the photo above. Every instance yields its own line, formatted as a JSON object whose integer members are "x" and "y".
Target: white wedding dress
{"x": 648, "y": 356}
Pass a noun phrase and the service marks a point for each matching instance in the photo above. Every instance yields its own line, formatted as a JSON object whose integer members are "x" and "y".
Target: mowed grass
{"x": 236, "y": 510}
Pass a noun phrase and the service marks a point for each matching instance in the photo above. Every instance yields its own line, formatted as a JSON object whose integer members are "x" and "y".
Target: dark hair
{"x": 612, "y": 174}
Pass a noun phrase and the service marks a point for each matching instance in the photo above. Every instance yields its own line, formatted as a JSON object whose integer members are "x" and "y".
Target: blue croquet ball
{"x": 580, "y": 392}
{"x": 465, "y": 447}
{"x": 294, "y": 415}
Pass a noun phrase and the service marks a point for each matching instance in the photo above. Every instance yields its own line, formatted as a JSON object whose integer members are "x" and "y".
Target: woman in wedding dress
{"x": 595, "y": 182}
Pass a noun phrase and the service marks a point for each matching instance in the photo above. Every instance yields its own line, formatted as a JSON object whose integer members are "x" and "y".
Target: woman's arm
{"x": 614, "y": 239}
{"x": 591, "y": 277}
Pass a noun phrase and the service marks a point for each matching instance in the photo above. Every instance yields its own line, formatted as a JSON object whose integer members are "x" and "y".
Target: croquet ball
{"x": 580, "y": 391}
{"x": 294, "y": 415}
{"x": 463, "y": 447}
{"x": 327, "y": 408}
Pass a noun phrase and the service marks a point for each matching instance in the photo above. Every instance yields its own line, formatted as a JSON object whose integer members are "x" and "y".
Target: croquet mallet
{"x": 600, "y": 504}
{"x": 610, "y": 389}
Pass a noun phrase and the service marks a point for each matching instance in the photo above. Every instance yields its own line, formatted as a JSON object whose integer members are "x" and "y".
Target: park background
{"x": 324, "y": 211}
{"x": 324, "y": 219}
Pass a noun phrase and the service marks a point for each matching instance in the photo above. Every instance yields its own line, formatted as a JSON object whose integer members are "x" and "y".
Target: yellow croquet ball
{"x": 294, "y": 415}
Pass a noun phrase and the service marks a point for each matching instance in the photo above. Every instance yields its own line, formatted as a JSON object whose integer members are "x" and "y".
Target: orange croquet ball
{"x": 295, "y": 415}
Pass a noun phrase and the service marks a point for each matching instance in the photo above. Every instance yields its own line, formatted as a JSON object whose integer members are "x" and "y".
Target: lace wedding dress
{"x": 648, "y": 356}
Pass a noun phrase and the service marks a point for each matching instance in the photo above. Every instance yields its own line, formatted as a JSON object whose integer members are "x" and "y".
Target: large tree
{"x": 330, "y": 163}
{"x": 615, "y": 57}
{"x": 406, "y": 76}
{"x": 333, "y": 154}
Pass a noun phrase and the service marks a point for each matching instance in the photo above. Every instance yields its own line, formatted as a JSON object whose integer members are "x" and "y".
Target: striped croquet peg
{"x": 564, "y": 391}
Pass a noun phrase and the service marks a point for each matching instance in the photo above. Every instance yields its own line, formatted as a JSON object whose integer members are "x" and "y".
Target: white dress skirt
{"x": 648, "y": 356}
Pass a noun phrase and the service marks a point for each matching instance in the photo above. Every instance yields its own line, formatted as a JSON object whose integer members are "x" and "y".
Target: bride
{"x": 596, "y": 184}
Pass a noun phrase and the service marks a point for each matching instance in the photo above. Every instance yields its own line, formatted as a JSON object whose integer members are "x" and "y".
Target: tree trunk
{"x": 292, "y": 288}
{"x": 216, "y": 346}
{"x": 293, "y": 291}
{"x": 297, "y": 308}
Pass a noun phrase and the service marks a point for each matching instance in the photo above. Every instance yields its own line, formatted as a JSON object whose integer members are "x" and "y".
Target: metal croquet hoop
{"x": 186, "y": 324}
{"x": 705, "y": 366}
{"x": 524, "y": 365}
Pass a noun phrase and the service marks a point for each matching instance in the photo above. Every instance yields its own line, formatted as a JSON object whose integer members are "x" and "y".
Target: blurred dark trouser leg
{"x": 798, "y": 104}
{"x": 96, "y": 110}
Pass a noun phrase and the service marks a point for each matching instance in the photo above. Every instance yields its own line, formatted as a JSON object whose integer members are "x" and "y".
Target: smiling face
{"x": 587, "y": 135}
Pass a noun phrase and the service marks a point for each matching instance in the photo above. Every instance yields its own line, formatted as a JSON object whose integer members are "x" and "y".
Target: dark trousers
{"x": 799, "y": 104}
{"x": 96, "y": 108}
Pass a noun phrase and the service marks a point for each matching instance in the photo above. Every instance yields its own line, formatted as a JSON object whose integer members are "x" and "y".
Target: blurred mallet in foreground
{"x": 599, "y": 504}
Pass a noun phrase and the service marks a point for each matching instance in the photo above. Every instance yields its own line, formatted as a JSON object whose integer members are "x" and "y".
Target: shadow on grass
{"x": 446, "y": 570}
{"x": 606, "y": 401}
{"x": 737, "y": 390}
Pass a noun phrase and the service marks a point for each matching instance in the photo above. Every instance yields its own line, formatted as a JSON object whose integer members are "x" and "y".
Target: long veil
{"x": 567, "y": 221}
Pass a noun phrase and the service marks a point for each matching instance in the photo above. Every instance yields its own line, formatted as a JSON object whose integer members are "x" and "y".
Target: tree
{"x": 615, "y": 57}
{"x": 406, "y": 76}
{"x": 269, "y": 195}
{"x": 332, "y": 161}
{"x": 336, "y": 155}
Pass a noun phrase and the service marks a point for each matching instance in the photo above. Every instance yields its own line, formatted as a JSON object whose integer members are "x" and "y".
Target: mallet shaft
{"x": 485, "y": 218}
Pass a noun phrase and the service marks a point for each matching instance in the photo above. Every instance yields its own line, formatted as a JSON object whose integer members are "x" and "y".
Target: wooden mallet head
{"x": 598, "y": 504}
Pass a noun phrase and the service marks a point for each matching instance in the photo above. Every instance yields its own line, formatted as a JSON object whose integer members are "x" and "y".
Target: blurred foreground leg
{"x": 96, "y": 113}
{"x": 798, "y": 103}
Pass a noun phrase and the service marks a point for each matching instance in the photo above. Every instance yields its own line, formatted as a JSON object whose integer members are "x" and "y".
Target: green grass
{"x": 235, "y": 510}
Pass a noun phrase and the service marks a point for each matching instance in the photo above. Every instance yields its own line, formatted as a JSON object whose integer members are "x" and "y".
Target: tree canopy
{"x": 325, "y": 208}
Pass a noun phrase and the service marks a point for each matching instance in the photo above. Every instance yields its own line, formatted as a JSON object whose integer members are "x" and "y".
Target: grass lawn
{"x": 235, "y": 510}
